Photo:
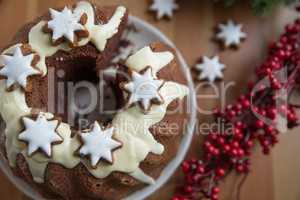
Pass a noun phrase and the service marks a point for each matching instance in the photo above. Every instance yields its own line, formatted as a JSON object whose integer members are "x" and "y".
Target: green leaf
{"x": 262, "y": 6}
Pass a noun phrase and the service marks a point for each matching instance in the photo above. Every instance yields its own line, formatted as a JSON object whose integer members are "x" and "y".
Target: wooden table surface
{"x": 275, "y": 177}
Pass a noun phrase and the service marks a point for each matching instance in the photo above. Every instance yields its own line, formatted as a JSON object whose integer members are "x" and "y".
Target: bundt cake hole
{"x": 90, "y": 96}
{"x": 78, "y": 93}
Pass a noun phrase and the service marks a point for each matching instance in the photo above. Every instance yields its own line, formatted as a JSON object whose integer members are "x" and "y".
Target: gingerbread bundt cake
{"x": 71, "y": 131}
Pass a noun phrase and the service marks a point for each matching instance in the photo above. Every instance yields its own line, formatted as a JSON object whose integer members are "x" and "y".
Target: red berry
{"x": 237, "y": 131}
{"x": 238, "y": 136}
{"x": 238, "y": 107}
{"x": 221, "y": 141}
{"x": 185, "y": 166}
{"x": 176, "y": 198}
{"x": 249, "y": 144}
{"x": 259, "y": 124}
{"x": 211, "y": 149}
{"x": 269, "y": 129}
{"x": 242, "y": 97}
{"x": 276, "y": 84}
{"x": 265, "y": 143}
{"x": 235, "y": 144}
{"x": 234, "y": 152}
{"x": 291, "y": 117}
{"x": 220, "y": 172}
{"x": 240, "y": 168}
{"x": 226, "y": 148}
{"x": 216, "y": 152}
{"x": 281, "y": 54}
{"x": 189, "y": 179}
{"x": 214, "y": 197}
{"x": 245, "y": 103}
{"x": 188, "y": 189}
{"x": 239, "y": 124}
{"x": 200, "y": 169}
{"x": 240, "y": 152}
{"x": 215, "y": 190}
{"x": 207, "y": 144}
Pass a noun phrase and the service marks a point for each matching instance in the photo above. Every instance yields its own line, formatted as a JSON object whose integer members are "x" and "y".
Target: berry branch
{"x": 230, "y": 150}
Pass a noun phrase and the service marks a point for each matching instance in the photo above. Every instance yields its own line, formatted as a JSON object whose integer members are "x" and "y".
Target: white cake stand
{"x": 146, "y": 34}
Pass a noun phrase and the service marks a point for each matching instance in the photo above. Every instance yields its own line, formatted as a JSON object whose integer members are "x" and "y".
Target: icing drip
{"x": 140, "y": 175}
{"x": 101, "y": 33}
{"x": 146, "y": 57}
{"x": 98, "y": 33}
{"x": 12, "y": 108}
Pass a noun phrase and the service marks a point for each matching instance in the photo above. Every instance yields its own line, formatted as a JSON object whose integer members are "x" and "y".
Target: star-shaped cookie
{"x": 164, "y": 8}
{"x": 64, "y": 24}
{"x": 144, "y": 89}
{"x": 17, "y": 68}
{"x": 211, "y": 69}
{"x": 40, "y": 134}
{"x": 231, "y": 34}
{"x": 98, "y": 144}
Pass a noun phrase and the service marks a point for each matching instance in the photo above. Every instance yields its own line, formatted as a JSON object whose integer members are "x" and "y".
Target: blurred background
{"x": 274, "y": 177}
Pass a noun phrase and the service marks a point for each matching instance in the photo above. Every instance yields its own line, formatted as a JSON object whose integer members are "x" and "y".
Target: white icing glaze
{"x": 131, "y": 126}
{"x": 140, "y": 175}
{"x": 99, "y": 144}
{"x": 98, "y": 33}
{"x": 39, "y": 134}
{"x": 12, "y": 107}
{"x": 101, "y": 33}
{"x": 17, "y": 68}
{"x": 144, "y": 88}
{"x": 132, "y": 129}
{"x": 64, "y": 24}
{"x": 145, "y": 57}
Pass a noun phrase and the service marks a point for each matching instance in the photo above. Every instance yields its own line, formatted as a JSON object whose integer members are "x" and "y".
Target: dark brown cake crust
{"x": 78, "y": 183}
